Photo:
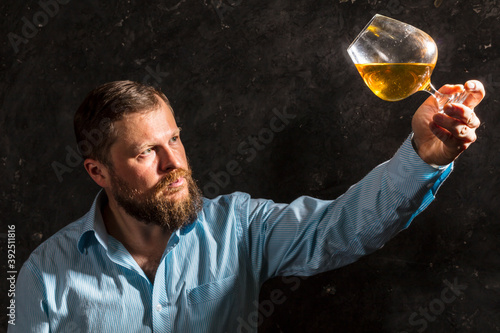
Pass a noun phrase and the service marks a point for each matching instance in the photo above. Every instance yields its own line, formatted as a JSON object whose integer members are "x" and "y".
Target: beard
{"x": 159, "y": 204}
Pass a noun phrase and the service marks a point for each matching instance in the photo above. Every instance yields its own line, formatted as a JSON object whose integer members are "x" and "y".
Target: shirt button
{"x": 158, "y": 307}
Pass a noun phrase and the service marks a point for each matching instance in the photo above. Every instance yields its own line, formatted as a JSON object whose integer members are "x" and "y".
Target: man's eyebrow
{"x": 140, "y": 147}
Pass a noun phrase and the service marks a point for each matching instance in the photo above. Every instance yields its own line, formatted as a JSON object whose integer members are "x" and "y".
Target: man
{"x": 152, "y": 256}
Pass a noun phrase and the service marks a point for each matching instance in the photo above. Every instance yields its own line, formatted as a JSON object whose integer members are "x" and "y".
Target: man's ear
{"x": 97, "y": 171}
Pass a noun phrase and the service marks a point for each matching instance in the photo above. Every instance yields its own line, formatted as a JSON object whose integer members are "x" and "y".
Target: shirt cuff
{"x": 412, "y": 175}
{"x": 435, "y": 166}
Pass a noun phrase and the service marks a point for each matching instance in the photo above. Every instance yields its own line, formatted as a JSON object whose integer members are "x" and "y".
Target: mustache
{"x": 172, "y": 177}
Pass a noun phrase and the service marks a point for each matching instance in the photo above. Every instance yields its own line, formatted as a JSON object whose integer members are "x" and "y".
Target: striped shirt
{"x": 83, "y": 280}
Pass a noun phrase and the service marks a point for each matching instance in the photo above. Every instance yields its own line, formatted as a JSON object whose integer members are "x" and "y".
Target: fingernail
{"x": 471, "y": 85}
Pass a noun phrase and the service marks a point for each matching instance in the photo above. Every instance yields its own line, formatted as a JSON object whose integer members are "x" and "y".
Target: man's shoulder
{"x": 237, "y": 205}
{"x": 238, "y": 201}
{"x": 62, "y": 243}
{"x": 225, "y": 199}
{"x": 223, "y": 207}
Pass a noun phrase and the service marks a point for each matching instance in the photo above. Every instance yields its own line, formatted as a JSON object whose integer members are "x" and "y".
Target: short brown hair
{"x": 94, "y": 120}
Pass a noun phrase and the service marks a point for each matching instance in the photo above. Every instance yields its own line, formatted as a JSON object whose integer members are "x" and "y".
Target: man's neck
{"x": 145, "y": 242}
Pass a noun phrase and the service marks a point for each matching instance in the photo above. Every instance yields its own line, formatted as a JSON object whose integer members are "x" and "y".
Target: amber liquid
{"x": 394, "y": 82}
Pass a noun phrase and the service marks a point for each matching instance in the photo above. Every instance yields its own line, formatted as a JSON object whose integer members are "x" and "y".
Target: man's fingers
{"x": 451, "y": 89}
{"x": 464, "y": 114}
{"x": 476, "y": 93}
{"x": 454, "y": 143}
{"x": 457, "y": 127}
{"x": 474, "y": 88}
{"x": 441, "y": 133}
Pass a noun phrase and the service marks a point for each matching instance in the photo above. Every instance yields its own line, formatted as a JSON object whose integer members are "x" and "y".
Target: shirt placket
{"x": 162, "y": 307}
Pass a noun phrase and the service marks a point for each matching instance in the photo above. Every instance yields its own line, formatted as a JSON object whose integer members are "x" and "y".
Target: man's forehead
{"x": 147, "y": 123}
{"x": 161, "y": 112}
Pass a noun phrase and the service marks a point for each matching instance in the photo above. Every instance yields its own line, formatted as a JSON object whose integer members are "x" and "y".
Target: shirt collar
{"x": 94, "y": 225}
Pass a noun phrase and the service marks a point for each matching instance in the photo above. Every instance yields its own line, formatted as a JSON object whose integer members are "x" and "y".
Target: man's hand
{"x": 441, "y": 137}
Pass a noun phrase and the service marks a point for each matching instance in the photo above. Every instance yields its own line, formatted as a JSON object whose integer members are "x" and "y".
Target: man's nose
{"x": 170, "y": 159}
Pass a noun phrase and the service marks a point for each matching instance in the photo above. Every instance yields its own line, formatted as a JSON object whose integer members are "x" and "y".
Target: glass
{"x": 396, "y": 60}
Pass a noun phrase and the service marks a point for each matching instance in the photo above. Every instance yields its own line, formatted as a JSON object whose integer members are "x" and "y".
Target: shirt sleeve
{"x": 31, "y": 314}
{"x": 309, "y": 236}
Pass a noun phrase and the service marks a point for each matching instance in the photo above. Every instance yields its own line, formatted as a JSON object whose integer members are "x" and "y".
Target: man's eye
{"x": 175, "y": 138}
{"x": 147, "y": 151}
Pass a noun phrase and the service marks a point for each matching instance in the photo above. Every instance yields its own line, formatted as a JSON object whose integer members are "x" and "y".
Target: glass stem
{"x": 443, "y": 99}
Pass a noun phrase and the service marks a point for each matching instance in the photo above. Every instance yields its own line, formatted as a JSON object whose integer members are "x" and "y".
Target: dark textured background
{"x": 226, "y": 65}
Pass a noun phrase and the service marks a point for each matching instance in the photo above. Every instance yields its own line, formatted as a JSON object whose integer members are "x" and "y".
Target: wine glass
{"x": 396, "y": 60}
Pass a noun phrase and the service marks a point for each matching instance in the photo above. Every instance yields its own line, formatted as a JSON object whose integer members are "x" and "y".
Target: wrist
{"x": 415, "y": 146}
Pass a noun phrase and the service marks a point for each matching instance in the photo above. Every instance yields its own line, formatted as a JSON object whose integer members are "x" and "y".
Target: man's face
{"x": 150, "y": 177}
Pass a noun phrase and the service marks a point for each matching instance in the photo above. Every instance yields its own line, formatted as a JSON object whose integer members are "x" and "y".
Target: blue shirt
{"x": 83, "y": 280}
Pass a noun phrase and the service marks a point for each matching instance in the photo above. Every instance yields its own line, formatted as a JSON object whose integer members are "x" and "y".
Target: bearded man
{"x": 152, "y": 255}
